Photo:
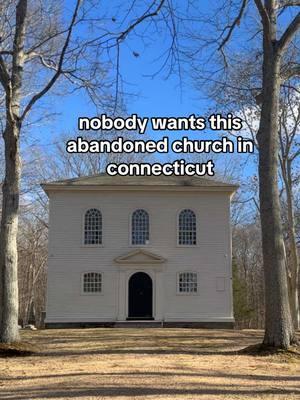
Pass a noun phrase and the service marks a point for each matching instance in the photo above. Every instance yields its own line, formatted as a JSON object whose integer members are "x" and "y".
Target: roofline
{"x": 52, "y": 187}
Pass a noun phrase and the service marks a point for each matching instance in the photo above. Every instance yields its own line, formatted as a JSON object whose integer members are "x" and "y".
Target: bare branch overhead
{"x": 54, "y": 78}
{"x": 235, "y": 22}
{"x": 289, "y": 34}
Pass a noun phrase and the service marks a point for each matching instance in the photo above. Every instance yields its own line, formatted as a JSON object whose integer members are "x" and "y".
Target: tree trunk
{"x": 279, "y": 330}
{"x": 9, "y": 331}
{"x": 293, "y": 270}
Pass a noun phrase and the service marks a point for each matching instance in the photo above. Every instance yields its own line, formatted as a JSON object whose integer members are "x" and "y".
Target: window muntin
{"x": 92, "y": 282}
{"x": 187, "y": 282}
{"x": 187, "y": 228}
{"x": 93, "y": 227}
{"x": 140, "y": 227}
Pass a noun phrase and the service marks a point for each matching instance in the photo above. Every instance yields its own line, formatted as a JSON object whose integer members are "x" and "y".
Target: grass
{"x": 148, "y": 364}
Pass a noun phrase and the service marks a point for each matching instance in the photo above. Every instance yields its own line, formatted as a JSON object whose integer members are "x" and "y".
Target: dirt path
{"x": 147, "y": 364}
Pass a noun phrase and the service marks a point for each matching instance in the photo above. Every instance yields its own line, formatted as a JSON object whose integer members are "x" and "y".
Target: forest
{"x": 241, "y": 56}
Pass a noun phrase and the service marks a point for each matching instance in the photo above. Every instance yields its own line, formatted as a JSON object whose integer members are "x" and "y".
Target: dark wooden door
{"x": 140, "y": 296}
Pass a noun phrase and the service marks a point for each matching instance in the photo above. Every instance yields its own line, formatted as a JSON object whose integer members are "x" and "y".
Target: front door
{"x": 140, "y": 296}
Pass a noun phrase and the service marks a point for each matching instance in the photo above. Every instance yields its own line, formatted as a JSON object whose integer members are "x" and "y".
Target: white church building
{"x": 128, "y": 249}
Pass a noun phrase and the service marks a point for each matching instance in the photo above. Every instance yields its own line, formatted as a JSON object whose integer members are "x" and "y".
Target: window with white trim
{"x": 93, "y": 227}
{"x": 187, "y": 282}
{"x": 92, "y": 282}
{"x": 187, "y": 228}
{"x": 140, "y": 227}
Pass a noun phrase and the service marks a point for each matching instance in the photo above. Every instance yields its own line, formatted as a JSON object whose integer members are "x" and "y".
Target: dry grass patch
{"x": 147, "y": 364}
{"x": 18, "y": 349}
{"x": 289, "y": 355}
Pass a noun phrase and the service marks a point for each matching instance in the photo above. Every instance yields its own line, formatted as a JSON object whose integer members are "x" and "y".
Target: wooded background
{"x": 248, "y": 282}
{"x": 242, "y": 55}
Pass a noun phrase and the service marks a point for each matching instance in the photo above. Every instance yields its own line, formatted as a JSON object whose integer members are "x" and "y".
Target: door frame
{"x": 152, "y": 276}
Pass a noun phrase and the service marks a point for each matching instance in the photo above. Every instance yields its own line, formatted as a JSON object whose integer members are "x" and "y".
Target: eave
{"x": 49, "y": 188}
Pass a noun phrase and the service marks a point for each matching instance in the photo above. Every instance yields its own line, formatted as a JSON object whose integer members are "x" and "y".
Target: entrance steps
{"x": 138, "y": 324}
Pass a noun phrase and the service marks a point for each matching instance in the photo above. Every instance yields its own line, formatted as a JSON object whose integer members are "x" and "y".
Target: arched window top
{"x": 187, "y": 228}
{"x": 187, "y": 213}
{"x": 92, "y": 282}
{"x": 93, "y": 227}
{"x": 140, "y": 227}
{"x": 93, "y": 212}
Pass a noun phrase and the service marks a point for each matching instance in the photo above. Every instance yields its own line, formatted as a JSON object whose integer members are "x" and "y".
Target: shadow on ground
{"x": 162, "y": 363}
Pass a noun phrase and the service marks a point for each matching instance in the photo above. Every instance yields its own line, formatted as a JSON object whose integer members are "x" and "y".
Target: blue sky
{"x": 150, "y": 96}
{"x": 157, "y": 96}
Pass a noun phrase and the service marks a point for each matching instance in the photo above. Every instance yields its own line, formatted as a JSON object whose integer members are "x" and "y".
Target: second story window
{"x": 93, "y": 227}
{"x": 187, "y": 228}
{"x": 140, "y": 227}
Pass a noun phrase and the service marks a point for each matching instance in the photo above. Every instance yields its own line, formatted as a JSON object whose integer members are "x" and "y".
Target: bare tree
{"x": 289, "y": 129}
{"x": 21, "y": 46}
{"x": 244, "y": 96}
{"x": 248, "y": 274}
{"x": 279, "y": 330}
{"x": 39, "y": 46}
{"x": 278, "y": 31}
{"x": 32, "y": 252}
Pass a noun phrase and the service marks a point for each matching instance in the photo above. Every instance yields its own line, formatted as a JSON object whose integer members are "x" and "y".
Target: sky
{"x": 152, "y": 97}
{"x": 157, "y": 96}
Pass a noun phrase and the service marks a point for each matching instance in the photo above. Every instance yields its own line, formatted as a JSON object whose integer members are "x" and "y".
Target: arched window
{"x": 187, "y": 282}
{"x": 93, "y": 227}
{"x": 92, "y": 282}
{"x": 187, "y": 228}
{"x": 140, "y": 227}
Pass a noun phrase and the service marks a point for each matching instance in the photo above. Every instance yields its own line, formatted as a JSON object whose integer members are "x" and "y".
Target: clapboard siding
{"x": 69, "y": 258}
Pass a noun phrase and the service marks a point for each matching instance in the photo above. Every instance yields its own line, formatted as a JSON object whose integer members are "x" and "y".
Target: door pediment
{"x": 140, "y": 256}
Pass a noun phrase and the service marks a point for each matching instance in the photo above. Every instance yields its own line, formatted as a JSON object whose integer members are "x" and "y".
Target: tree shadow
{"x": 217, "y": 374}
{"x": 140, "y": 391}
{"x": 196, "y": 351}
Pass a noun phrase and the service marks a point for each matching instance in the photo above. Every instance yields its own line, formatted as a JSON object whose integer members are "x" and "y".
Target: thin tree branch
{"x": 59, "y": 66}
{"x": 234, "y": 24}
{"x": 142, "y": 18}
{"x": 289, "y": 34}
{"x": 263, "y": 13}
{"x": 291, "y": 3}
{"x": 290, "y": 72}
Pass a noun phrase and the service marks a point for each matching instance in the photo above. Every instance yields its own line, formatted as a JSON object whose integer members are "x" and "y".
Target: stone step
{"x": 138, "y": 324}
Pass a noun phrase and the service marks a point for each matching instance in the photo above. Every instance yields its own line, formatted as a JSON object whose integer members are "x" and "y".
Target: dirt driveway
{"x": 147, "y": 364}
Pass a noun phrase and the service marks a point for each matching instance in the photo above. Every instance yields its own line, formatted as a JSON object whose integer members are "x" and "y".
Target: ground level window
{"x": 187, "y": 282}
{"x": 92, "y": 282}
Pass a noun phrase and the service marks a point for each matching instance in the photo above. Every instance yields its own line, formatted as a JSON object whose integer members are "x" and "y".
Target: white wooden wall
{"x": 68, "y": 258}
